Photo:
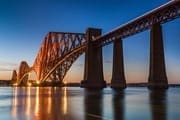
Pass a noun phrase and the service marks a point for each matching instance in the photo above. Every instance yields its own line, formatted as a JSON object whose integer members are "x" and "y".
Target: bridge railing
{"x": 162, "y": 14}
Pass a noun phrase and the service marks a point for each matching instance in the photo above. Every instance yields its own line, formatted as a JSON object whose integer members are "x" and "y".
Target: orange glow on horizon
{"x": 5, "y": 75}
{"x": 133, "y": 73}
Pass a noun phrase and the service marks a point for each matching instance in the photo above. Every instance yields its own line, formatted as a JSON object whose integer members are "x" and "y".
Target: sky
{"x": 24, "y": 24}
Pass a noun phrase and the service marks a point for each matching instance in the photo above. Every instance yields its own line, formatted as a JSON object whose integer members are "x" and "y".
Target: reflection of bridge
{"x": 59, "y": 51}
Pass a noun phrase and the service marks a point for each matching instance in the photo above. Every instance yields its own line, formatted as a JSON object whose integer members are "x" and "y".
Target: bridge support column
{"x": 157, "y": 71}
{"x": 93, "y": 73}
{"x": 118, "y": 77}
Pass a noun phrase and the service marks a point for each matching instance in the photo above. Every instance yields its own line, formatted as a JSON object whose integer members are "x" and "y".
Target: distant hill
{"x": 5, "y": 82}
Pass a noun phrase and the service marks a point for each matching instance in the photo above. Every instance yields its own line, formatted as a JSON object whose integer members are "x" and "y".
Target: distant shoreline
{"x": 6, "y": 83}
{"x": 128, "y": 85}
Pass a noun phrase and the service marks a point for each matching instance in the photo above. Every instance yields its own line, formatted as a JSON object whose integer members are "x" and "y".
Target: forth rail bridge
{"x": 60, "y": 50}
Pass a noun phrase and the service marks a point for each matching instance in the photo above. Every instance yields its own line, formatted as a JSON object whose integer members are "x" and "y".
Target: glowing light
{"x": 15, "y": 84}
{"x": 37, "y": 82}
{"x": 29, "y": 84}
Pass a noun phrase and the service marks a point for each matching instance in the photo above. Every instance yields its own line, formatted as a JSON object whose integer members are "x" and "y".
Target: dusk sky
{"x": 24, "y": 24}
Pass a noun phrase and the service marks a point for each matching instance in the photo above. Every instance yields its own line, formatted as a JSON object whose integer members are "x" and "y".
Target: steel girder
{"x": 59, "y": 49}
{"x": 22, "y": 76}
{"x": 50, "y": 63}
{"x": 162, "y": 14}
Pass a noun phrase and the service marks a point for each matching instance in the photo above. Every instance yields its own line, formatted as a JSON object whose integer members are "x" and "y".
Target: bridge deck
{"x": 162, "y": 14}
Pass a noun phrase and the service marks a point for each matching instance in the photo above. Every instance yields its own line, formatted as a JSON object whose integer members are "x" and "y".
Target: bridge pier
{"x": 93, "y": 73}
{"x": 118, "y": 77}
{"x": 157, "y": 71}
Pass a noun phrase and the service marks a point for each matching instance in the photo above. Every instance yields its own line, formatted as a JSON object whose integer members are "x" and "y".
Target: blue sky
{"x": 24, "y": 23}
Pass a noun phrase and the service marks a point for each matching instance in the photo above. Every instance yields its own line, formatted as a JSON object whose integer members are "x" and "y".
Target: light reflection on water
{"x": 65, "y": 101}
{"x": 73, "y": 103}
{"x": 39, "y": 103}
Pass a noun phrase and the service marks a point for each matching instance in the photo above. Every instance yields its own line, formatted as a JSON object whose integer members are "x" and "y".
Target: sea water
{"x": 74, "y": 103}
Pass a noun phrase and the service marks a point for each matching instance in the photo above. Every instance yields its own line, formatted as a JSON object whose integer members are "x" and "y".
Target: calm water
{"x": 75, "y": 103}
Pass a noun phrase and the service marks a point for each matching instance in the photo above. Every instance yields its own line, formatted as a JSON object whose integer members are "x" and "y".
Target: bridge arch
{"x": 58, "y": 52}
{"x": 22, "y": 76}
{"x": 65, "y": 63}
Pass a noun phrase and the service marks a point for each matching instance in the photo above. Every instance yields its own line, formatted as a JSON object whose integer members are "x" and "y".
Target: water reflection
{"x": 14, "y": 102}
{"x": 84, "y": 104}
{"x": 93, "y": 104}
{"x": 158, "y": 104}
{"x": 39, "y": 103}
{"x": 65, "y": 101}
{"x": 118, "y": 101}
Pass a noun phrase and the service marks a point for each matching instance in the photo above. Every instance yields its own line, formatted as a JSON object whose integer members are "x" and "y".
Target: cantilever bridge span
{"x": 56, "y": 55}
{"x": 59, "y": 51}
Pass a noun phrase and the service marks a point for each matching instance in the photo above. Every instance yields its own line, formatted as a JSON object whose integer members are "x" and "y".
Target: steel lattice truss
{"x": 59, "y": 50}
{"x": 162, "y": 14}
{"x": 22, "y": 75}
{"x": 57, "y": 53}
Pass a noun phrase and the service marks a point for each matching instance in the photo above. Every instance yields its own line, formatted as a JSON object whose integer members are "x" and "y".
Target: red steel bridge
{"x": 60, "y": 50}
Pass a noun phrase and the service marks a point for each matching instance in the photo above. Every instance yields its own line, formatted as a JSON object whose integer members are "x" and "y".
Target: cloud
{"x": 3, "y": 63}
{"x": 7, "y": 66}
{"x": 5, "y": 69}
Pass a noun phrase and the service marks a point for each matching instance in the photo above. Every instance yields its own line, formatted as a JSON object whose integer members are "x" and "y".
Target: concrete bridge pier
{"x": 118, "y": 78}
{"x": 93, "y": 73}
{"x": 157, "y": 71}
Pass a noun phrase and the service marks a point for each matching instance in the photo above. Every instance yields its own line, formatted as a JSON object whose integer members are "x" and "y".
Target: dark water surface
{"x": 75, "y": 103}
